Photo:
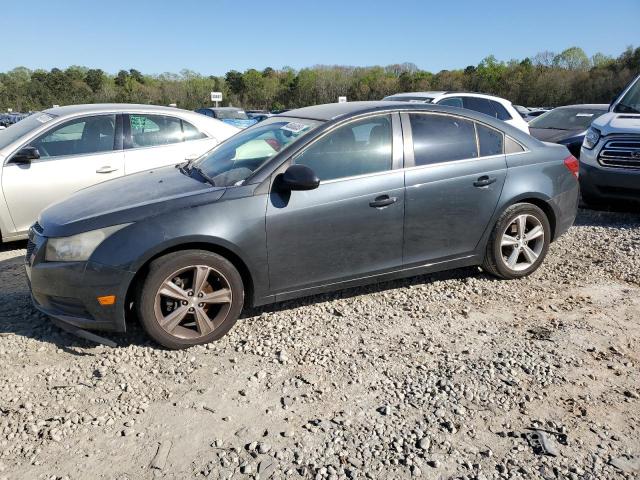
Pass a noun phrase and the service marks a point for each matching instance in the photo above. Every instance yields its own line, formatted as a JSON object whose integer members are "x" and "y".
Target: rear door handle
{"x": 106, "y": 169}
{"x": 383, "y": 201}
{"x": 484, "y": 181}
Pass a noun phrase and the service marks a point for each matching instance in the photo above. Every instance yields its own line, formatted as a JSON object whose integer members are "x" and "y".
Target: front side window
{"x": 442, "y": 138}
{"x": 154, "y": 130}
{"x": 78, "y": 137}
{"x": 241, "y": 155}
{"x": 358, "y": 148}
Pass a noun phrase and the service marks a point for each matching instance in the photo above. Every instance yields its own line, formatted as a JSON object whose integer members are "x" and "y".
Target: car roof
{"x": 418, "y": 94}
{"x": 109, "y": 107}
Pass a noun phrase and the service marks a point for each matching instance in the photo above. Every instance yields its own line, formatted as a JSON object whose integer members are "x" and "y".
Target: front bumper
{"x": 600, "y": 182}
{"x": 609, "y": 183}
{"x": 68, "y": 291}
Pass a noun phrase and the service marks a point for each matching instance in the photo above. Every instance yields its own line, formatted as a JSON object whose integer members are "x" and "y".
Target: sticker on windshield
{"x": 294, "y": 127}
{"x": 44, "y": 118}
{"x": 584, "y": 115}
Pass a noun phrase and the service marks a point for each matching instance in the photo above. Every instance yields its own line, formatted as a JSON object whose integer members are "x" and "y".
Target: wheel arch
{"x": 143, "y": 269}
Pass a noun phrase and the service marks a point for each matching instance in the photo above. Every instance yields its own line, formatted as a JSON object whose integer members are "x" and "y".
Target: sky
{"x": 214, "y": 36}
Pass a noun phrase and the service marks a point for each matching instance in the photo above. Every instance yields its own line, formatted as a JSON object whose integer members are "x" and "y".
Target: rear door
{"x": 154, "y": 141}
{"x": 455, "y": 172}
{"x": 73, "y": 155}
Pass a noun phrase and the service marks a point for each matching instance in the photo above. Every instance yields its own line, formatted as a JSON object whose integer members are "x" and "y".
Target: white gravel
{"x": 433, "y": 377}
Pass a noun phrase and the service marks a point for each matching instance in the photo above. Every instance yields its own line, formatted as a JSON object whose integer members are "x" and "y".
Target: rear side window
{"x": 500, "y": 112}
{"x": 452, "y": 102}
{"x": 154, "y": 130}
{"x": 78, "y": 137}
{"x": 491, "y": 141}
{"x": 190, "y": 132}
{"x": 357, "y": 148}
{"x": 481, "y": 105}
{"x": 442, "y": 138}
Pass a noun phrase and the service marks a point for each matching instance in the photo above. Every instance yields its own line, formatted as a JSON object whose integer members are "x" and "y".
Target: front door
{"x": 74, "y": 155}
{"x": 351, "y": 225}
{"x": 453, "y": 185}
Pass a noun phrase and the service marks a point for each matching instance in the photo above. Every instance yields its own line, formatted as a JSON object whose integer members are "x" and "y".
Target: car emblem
{"x": 636, "y": 154}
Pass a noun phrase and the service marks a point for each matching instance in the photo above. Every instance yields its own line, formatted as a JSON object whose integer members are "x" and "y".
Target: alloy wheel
{"x": 193, "y": 301}
{"x": 522, "y": 242}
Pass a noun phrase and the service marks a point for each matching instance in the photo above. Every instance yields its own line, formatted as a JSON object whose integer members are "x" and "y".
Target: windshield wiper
{"x": 185, "y": 167}
{"x": 202, "y": 174}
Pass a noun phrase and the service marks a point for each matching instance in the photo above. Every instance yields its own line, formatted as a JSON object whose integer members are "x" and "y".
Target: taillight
{"x": 573, "y": 165}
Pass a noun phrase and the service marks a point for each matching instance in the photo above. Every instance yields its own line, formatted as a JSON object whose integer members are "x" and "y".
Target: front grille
{"x": 621, "y": 153}
{"x": 38, "y": 228}
{"x": 30, "y": 248}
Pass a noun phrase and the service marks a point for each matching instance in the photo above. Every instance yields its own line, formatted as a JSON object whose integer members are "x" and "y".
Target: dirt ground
{"x": 443, "y": 376}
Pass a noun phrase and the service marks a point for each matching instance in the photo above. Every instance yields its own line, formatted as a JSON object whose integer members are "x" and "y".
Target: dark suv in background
{"x": 317, "y": 199}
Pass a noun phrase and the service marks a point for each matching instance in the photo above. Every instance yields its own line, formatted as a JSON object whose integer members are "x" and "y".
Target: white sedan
{"x": 51, "y": 154}
{"x": 495, "y": 107}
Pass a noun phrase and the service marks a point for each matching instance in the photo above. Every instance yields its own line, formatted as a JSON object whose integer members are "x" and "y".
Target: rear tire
{"x": 190, "y": 298}
{"x": 518, "y": 243}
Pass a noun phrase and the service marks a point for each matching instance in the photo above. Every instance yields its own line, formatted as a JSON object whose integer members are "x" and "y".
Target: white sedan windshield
{"x": 24, "y": 126}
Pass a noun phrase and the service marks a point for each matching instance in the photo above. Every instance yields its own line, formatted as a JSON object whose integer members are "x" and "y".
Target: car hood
{"x": 554, "y": 135}
{"x": 617, "y": 123}
{"x": 126, "y": 200}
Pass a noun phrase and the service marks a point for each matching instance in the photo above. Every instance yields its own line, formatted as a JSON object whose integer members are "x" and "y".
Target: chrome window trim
{"x": 357, "y": 177}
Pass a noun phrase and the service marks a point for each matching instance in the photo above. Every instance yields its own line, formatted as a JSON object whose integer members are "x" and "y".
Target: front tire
{"x": 518, "y": 243}
{"x": 190, "y": 298}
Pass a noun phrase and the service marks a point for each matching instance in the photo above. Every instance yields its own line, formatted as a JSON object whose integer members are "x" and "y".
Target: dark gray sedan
{"x": 316, "y": 199}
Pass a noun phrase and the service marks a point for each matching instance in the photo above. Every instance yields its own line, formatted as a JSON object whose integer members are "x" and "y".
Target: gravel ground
{"x": 440, "y": 377}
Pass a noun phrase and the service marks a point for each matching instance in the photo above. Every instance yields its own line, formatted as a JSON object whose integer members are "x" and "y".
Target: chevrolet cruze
{"x": 316, "y": 199}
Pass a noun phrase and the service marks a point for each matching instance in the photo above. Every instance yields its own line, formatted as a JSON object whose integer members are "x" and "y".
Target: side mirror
{"x": 25, "y": 155}
{"x": 299, "y": 177}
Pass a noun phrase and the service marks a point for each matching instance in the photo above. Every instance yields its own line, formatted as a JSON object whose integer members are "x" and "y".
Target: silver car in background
{"x": 52, "y": 154}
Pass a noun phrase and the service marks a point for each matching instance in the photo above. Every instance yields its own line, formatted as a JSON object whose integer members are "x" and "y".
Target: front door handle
{"x": 484, "y": 181}
{"x": 383, "y": 201}
{"x": 106, "y": 169}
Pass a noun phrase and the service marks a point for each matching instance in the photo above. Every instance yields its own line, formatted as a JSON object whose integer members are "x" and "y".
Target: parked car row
{"x": 203, "y": 218}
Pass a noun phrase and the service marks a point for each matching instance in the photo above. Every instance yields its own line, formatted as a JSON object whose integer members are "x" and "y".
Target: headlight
{"x": 591, "y": 138}
{"x": 78, "y": 248}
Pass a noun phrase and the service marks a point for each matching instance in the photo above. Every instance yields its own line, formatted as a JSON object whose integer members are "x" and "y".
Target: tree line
{"x": 546, "y": 79}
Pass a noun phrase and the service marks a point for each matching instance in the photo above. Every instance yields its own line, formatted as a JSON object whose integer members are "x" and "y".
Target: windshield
{"x": 567, "y": 118}
{"x": 238, "y": 157}
{"x": 630, "y": 103}
{"x": 24, "y": 126}
{"x": 231, "y": 115}
{"x": 403, "y": 98}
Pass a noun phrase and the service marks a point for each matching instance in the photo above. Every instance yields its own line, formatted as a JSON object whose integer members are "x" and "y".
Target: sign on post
{"x": 342, "y": 99}
{"x": 216, "y": 97}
